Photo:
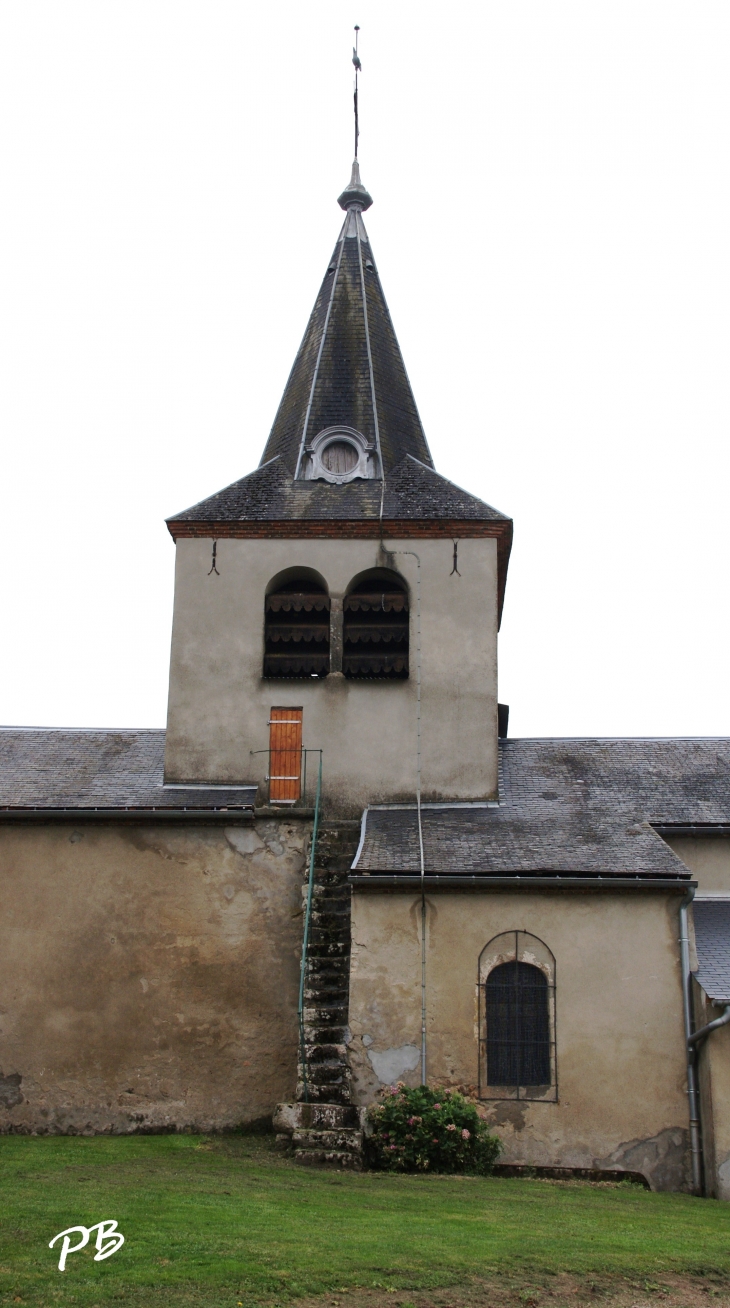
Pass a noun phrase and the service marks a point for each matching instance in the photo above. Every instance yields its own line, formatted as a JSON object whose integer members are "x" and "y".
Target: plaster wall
{"x": 219, "y": 702}
{"x": 708, "y": 858}
{"x": 148, "y": 974}
{"x": 714, "y": 1082}
{"x": 622, "y": 1100}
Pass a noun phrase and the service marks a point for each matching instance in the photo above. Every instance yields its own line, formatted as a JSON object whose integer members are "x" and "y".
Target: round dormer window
{"x": 340, "y": 458}
{"x": 339, "y": 454}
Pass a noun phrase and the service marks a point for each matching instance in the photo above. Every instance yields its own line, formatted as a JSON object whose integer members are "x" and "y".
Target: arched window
{"x": 518, "y": 1026}
{"x": 517, "y": 1018}
{"x": 297, "y": 626}
{"x": 375, "y": 627}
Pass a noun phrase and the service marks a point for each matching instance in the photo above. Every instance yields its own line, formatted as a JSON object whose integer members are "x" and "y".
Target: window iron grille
{"x": 517, "y": 1044}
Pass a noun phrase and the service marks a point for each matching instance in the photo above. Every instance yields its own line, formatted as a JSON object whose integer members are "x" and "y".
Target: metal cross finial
{"x": 358, "y": 67}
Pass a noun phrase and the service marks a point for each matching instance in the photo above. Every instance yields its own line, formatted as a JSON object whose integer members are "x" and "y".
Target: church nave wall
{"x": 621, "y": 1076}
{"x": 149, "y": 974}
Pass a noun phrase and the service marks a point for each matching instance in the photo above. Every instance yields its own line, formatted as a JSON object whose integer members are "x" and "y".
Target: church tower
{"x": 342, "y": 597}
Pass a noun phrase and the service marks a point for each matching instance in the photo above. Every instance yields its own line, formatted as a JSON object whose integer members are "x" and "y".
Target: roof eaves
{"x": 461, "y": 489}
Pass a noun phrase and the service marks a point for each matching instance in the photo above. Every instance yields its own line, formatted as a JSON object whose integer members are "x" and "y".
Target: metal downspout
{"x": 704, "y": 1031}
{"x": 305, "y": 936}
{"x": 412, "y": 554}
{"x": 695, "y": 1136}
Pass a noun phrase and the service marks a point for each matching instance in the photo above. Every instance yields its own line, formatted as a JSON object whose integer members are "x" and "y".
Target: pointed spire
{"x": 355, "y": 193}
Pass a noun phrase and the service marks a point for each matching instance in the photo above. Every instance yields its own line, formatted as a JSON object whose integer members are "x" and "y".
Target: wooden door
{"x": 285, "y": 755}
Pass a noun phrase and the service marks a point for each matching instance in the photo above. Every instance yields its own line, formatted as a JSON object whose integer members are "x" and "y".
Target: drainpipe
{"x": 694, "y": 1111}
{"x": 711, "y": 1026}
{"x": 412, "y": 554}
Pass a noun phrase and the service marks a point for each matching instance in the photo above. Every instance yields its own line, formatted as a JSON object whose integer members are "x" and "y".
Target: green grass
{"x": 215, "y": 1221}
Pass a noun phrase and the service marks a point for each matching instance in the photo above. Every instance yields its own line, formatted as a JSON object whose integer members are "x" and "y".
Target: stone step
{"x": 328, "y": 966}
{"x": 328, "y": 1006}
{"x": 329, "y": 907}
{"x": 316, "y": 1117}
{"x": 317, "y": 1054}
{"x": 329, "y": 1071}
{"x": 325, "y": 1094}
{"x": 331, "y": 878}
{"x": 325, "y": 1013}
{"x": 335, "y": 949}
{"x": 329, "y": 915}
{"x": 332, "y": 989}
{"x": 326, "y": 988}
{"x": 328, "y": 1158}
{"x": 322, "y": 1035}
{"x": 324, "y": 925}
{"x": 346, "y": 1139}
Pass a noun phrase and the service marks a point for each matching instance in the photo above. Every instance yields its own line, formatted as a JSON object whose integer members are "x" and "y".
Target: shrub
{"x": 426, "y": 1130}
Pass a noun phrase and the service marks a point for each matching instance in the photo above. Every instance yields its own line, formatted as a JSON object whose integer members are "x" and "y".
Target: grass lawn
{"x": 227, "y": 1220}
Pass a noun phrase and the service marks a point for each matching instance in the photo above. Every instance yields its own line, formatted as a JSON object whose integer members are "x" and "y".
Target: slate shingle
{"x": 96, "y": 769}
{"x": 712, "y": 938}
{"x": 568, "y": 807}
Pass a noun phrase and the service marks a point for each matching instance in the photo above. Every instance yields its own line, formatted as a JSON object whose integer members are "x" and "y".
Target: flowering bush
{"x": 426, "y": 1130}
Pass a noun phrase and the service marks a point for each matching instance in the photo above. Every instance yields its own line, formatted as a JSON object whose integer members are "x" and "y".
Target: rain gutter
{"x": 483, "y": 881}
{"x": 225, "y": 815}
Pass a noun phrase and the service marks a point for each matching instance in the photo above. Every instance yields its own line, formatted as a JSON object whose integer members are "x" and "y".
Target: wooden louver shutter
{"x": 285, "y": 755}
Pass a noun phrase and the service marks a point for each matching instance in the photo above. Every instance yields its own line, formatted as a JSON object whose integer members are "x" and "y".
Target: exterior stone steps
{"x": 325, "y": 1131}
{"x": 321, "y": 1135}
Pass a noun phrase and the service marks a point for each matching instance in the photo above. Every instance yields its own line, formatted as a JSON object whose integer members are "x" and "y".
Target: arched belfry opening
{"x": 297, "y": 625}
{"x": 375, "y": 627}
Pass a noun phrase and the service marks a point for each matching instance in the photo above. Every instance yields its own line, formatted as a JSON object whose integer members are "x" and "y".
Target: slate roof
{"x": 567, "y": 808}
{"x": 331, "y": 381}
{"x": 712, "y": 938}
{"x": 413, "y": 491}
{"x": 349, "y": 372}
{"x": 44, "y": 768}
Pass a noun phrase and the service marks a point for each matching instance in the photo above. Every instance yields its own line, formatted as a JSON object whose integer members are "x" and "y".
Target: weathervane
{"x": 358, "y": 68}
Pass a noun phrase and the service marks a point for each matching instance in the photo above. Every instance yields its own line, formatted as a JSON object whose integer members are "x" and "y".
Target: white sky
{"x": 552, "y": 228}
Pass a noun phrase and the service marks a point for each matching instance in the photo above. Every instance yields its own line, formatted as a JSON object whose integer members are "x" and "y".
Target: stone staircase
{"x": 323, "y": 1128}
{"x": 321, "y": 1135}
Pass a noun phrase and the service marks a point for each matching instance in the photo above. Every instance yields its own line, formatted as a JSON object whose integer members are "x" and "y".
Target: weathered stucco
{"x": 148, "y": 974}
{"x": 714, "y": 1085}
{"x": 219, "y": 702}
{"x": 708, "y": 858}
{"x": 620, "y": 1062}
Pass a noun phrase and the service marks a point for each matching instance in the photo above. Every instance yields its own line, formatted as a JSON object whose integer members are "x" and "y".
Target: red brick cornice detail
{"x": 341, "y": 529}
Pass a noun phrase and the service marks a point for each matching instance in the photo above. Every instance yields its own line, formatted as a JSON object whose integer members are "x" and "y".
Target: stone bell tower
{"x": 343, "y": 590}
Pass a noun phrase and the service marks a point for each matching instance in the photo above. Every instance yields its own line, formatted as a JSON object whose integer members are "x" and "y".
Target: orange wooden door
{"x": 285, "y": 755}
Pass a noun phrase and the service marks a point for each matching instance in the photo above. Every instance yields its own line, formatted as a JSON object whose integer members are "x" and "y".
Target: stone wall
{"x": 148, "y": 974}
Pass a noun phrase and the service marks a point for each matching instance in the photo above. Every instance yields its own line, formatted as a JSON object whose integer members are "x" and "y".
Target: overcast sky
{"x": 552, "y": 228}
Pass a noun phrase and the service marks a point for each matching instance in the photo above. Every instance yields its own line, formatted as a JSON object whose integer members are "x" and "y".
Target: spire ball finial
{"x": 355, "y": 195}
